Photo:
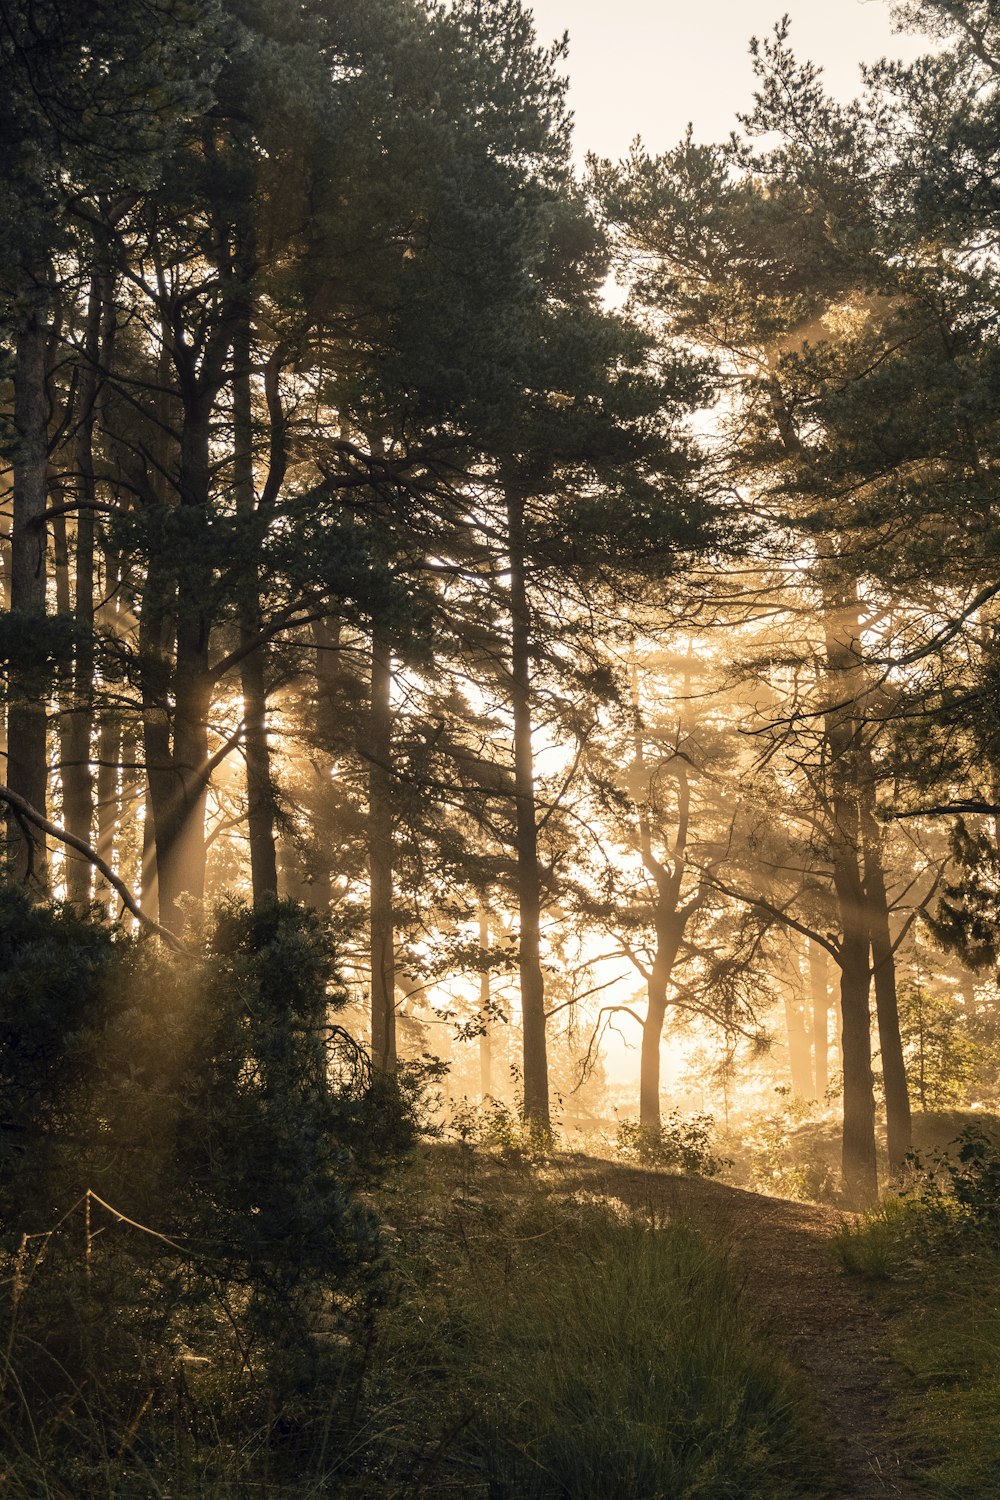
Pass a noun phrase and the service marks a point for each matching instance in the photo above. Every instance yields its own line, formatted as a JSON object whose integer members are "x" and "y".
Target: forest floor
{"x": 822, "y": 1319}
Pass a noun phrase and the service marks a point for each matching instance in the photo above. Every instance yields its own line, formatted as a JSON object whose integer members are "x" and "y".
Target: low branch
{"x": 945, "y": 809}
{"x": 780, "y": 913}
{"x": 27, "y": 814}
{"x": 579, "y": 999}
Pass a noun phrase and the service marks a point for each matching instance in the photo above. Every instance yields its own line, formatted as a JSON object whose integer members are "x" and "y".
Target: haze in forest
{"x": 498, "y": 779}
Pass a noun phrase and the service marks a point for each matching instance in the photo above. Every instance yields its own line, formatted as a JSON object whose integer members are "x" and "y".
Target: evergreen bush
{"x": 187, "y": 1141}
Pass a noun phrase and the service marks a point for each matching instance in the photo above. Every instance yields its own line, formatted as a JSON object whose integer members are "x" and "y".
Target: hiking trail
{"x": 818, "y": 1316}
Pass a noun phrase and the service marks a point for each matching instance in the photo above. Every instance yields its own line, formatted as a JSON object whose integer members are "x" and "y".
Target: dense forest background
{"x": 461, "y": 614}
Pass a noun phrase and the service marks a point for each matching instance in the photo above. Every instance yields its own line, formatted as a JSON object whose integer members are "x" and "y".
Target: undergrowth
{"x": 546, "y": 1345}
{"x": 681, "y": 1144}
{"x": 220, "y": 1280}
{"x": 935, "y": 1251}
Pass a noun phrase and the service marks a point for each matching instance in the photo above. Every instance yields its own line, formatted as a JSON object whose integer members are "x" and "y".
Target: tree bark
{"x": 156, "y": 636}
{"x": 261, "y": 811}
{"x": 380, "y": 860}
{"x": 327, "y": 659}
{"x": 485, "y": 1019}
{"x": 110, "y": 753}
{"x": 78, "y": 722}
{"x": 649, "y": 1053}
{"x": 529, "y": 884}
{"x": 819, "y": 991}
{"x": 670, "y": 920}
{"x": 899, "y": 1127}
{"x": 842, "y": 736}
{"x": 27, "y": 762}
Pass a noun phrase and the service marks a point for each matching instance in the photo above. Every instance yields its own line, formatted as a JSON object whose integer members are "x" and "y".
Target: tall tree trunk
{"x": 649, "y": 1052}
{"x": 842, "y": 739}
{"x": 529, "y": 884}
{"x": 110, "y": 754}
{"x": 76, "y": 870}
{"x": 78, "y": 723}
{"x": 180, "y": 846}
{"x": 328, "y": 725}
{"x": 669, "y": 917}
{"x": 156, "y": 639}
{"x": 380, "y": 856}
{"x": 113, "y": 778}
{"x": 27, "y": 761}
{"x": 899, "y": 1127}
{"x": 819, "y": 991}
{"x": 260, "y": 792}
{"x": 858, "y": 1155}
{"x": 799, "y": 1050}
{"x": 485, "y": 1018}
{"x": 5, "y": 607}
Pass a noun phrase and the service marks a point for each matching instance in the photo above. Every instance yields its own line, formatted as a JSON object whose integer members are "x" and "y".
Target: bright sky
{"x": 648, "y": 67}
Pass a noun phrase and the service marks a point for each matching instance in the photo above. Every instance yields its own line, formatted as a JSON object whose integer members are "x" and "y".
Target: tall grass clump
{"x": 551, "y": 1347}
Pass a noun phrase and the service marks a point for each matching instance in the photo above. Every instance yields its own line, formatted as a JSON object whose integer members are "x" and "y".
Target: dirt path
{"x": 820, "y": 1317}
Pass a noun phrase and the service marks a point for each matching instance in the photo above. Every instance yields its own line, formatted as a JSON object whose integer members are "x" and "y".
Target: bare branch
{"x": 24, "y": 811}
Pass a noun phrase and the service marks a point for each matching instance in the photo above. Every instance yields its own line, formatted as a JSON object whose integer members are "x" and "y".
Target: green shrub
{"x": 684, "y": 1145}
{"x": 498, "y": 1127}
{"x": 966, "y": 1175}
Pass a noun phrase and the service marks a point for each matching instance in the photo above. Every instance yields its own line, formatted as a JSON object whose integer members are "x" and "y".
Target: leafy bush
{"x": 948, "y": 1204}
{"x": 786, "y": 1152}
{"x": 685, "y": 1145}
{"x": 968, "y": 1174}
{"x": 497, "y": 1127}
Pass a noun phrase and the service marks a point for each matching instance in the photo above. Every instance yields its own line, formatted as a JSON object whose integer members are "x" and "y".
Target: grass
{"x": 940, "y": 1279}
{"x": 546, "y": 1346}
{"x": 537, "y": 1346}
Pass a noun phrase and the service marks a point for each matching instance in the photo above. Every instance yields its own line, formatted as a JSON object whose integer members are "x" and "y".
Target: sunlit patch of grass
{"x": 881, "y": 1241}
{"x": 545, "y": 1346}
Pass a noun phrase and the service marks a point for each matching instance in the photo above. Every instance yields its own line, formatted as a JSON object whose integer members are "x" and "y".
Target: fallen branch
{"x": 25, "y": 813}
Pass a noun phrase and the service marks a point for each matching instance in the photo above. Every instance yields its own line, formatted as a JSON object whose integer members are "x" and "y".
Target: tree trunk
{"x": 529, "y": 885}
{"x": 27, "y": 761}
{"x": 649, "y": 1055}
{"x": 156, "y": 636}
{"x": 76, "y": 869}
{"x": 842, "y": 738}
{"x": 260, "y": 792}
{"x": 181, "y": 854}
{"x": 799, "y": 1051}
{"x": 858, "y": 1157}
{"x": 380, "y": 861}
{"x": 78, "y": 725}
{"x": 485, "y": 1019}
{"x": 5, "y": 607}
{"x": 899, "y": 1128}
{"x": 819, "y": 991}
{"x": 328, "y": 727}
{"x": 109, "y": 756}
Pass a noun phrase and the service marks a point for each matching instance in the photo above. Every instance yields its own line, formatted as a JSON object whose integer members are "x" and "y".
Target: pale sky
{"x": 647, "y": 67}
